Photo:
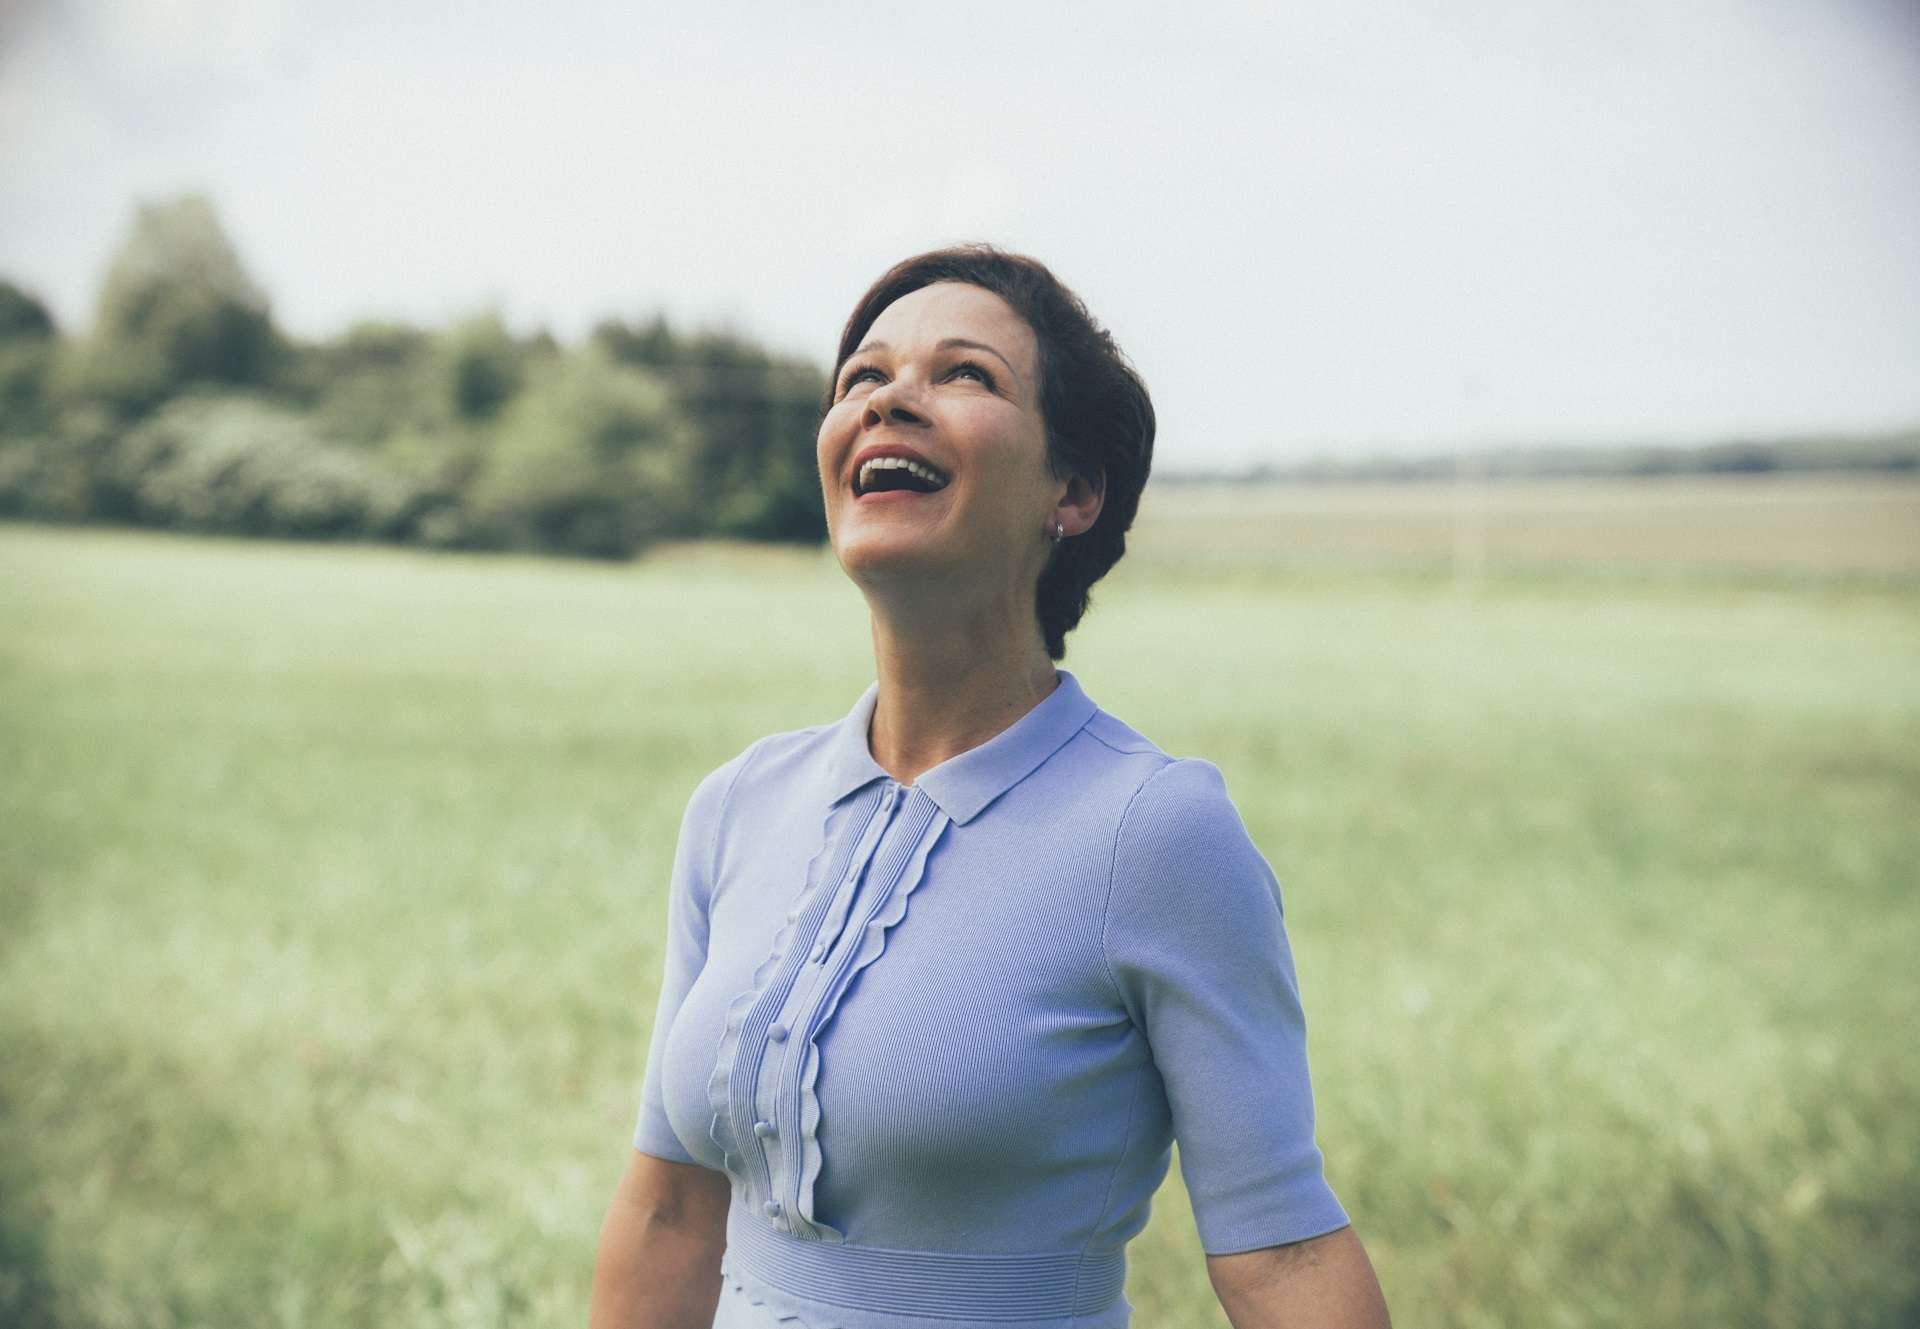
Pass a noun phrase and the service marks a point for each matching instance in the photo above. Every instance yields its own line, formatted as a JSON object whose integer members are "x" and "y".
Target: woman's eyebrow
{"x": 951, "y": 342}
{"x": 948, "y": 344}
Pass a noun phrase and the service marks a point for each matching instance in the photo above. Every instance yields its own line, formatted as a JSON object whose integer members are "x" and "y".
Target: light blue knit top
{"x": 942, "y": 1036}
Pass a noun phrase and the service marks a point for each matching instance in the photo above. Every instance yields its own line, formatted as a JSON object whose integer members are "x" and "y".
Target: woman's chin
{"x": 881, "y": 556}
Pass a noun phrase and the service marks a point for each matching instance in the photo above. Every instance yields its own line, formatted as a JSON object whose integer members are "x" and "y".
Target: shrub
{"x": 242, "y": 465}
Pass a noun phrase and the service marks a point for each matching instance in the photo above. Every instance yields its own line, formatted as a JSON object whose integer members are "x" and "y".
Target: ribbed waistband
{"x": 944, "y": 1284}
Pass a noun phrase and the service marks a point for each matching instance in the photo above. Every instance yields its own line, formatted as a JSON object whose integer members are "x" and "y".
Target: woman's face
{"x": 946, "y": 379}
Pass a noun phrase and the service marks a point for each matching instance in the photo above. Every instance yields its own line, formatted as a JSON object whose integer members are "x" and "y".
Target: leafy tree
{"x": 483, "y": 369}
{"x": 176, "y": 308}
{"x": 380, "y": 382}
{"x": 27, "y": 349}
{"x": 22, "y": 315}
{"x": 590, "y": 458}
{"x": 755, "y": 416}
{"x": 373, "y": 382}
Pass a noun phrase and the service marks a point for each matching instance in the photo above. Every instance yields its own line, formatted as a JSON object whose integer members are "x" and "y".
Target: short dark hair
{"x": 1098, "y": 415}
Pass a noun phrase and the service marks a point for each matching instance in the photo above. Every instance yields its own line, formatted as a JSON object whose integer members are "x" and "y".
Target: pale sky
{"x": 1315, "y": 227}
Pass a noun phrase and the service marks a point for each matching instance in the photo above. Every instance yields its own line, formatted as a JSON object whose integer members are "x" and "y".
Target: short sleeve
{"x": 1196, "y": 946}
{"x": 688, "y": 894}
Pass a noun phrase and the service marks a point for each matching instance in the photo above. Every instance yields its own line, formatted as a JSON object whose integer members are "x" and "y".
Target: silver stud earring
{"x": 1059, "y": 532}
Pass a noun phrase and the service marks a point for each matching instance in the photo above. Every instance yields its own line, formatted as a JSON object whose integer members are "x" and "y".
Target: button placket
{"x": 761, "y": 1018}
{"x": 774, "y": 1071}
{"x": 890, "y": 870}
{"x": 848, "y": 889}
{"x": 804, "y": 997}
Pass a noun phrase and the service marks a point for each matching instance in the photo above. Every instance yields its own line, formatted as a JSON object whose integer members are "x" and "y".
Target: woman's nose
{"x": 891, "y": 403}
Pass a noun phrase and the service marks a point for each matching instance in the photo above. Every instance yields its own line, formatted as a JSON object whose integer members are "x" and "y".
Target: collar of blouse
{"x": 962, "y": 785}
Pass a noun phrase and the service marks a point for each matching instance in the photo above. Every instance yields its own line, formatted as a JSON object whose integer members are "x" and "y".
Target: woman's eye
{"x": 968, "y": 369}
{"x": 858, "y": 375}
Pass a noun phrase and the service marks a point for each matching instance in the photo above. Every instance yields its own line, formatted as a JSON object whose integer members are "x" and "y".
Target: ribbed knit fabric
{"x": 942, "y": 1036}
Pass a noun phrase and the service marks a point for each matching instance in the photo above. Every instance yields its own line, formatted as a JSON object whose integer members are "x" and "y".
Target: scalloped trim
{"x": 720, "y": 1083}
{"x": 873, "y": 940}
{"x": 754, "y": 1300}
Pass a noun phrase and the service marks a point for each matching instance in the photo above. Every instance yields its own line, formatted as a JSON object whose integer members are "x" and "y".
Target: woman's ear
{"x": 1079, "y": 507}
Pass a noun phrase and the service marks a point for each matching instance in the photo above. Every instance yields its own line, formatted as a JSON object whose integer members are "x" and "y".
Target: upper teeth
{"x": 872, "y": 464}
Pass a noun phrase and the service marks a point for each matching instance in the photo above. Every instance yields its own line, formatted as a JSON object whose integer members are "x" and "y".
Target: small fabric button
{"x": 763, "y": 1129}
{"x": 771, "y": 1208}
{"x": 820, "y": 951}
{"x": 777, "y": 1032}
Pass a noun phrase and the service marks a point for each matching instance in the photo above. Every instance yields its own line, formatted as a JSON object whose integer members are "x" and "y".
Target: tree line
{"x": 1896, "y": 451}
{"x": 183, "y": 405}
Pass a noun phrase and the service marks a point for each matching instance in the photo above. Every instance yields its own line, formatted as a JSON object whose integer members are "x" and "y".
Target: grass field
{"x": 1767, "y": 525}
{"x": 331, "y": 889}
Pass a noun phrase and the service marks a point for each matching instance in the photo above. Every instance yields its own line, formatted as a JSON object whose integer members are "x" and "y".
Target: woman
{"x": 946, "y": 978}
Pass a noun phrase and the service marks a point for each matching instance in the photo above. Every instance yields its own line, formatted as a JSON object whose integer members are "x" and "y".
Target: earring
{"x": 1059, "y": 531}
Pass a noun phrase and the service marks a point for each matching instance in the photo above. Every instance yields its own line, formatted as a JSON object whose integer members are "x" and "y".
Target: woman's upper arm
{"x": 1326, "y": 1281}
{"x": 658, "y": 1262}
{"x": 684, "y": 1196}
{"x": 1197, "y": 948}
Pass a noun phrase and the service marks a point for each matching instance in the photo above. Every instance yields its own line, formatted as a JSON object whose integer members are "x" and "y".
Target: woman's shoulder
{"x": 1186, "y": 874}
{"x": 1156, "y": 788}
{"x": 769, "y": 759}
{"x": 1172, "y": 815}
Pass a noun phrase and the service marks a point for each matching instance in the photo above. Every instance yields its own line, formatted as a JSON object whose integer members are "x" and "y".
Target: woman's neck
{"x": 948, "y": 687}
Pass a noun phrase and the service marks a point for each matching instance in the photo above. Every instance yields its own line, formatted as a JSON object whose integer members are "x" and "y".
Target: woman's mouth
{"x": 896, "y": 475}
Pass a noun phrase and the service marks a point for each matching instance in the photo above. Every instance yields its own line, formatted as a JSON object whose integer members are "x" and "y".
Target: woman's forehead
{"x": 948, "y": 309}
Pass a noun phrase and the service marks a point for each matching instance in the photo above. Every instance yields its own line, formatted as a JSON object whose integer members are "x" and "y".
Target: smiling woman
{"x": 1002, "y": 344}
{"x": 947, "y": 978}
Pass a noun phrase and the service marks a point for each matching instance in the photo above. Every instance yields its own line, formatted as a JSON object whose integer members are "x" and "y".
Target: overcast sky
{"x": 1315, "y": 227}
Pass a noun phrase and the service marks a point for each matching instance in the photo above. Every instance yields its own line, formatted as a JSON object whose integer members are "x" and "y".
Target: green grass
{"x": 331, "y": 890}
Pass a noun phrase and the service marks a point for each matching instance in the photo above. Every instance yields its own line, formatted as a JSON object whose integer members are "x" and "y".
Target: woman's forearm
{"x": 658, "y": 1265}
{"x": 1325, "y": 1282}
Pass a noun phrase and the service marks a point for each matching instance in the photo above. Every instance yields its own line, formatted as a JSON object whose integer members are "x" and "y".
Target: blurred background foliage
{"x": 184, "y": 406}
